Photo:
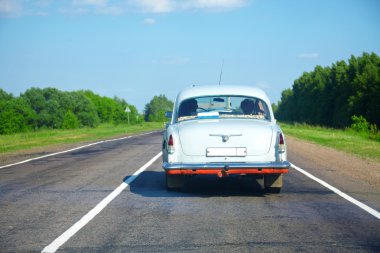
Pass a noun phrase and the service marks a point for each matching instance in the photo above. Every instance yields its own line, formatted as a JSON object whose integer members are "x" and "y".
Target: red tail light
{"x": 171, "y": 145}
{"x": 281, "y": 143}
{"x": 171, "y": 142}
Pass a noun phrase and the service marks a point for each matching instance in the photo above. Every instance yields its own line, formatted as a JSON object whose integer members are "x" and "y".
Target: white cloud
{"x": 215, "y": 4}
{"x": 155, "y": 6}
{"x": 164, "y": 6}
{"x": 308, "y": 56}
{"x": 149, "y": 21}
{"x": 10, "y": 8}
{"x": 74, "y": 11}
{"x": 42, "y": 3}
{"x": 79, "y": 7}
{"x": 110, "y": 10}
{"x": 13, "y": 8}
{"x": 90, "y": 2}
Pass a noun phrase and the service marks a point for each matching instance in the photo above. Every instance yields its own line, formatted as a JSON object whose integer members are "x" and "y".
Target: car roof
{"x": 215, "y": 90}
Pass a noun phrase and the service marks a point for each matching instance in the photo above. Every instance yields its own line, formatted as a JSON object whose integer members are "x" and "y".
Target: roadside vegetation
{"x": 331, "y": 96}
{"x": 155, "y": 110}
{"x": 347, "y": 140}
{"x": 50, "y": 137}
{"x": 336, "y": 106}
{"x": 48, "y": 117}
{"x": 49, "y": 108}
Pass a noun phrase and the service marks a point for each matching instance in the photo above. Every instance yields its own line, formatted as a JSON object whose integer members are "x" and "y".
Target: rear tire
{"x": 273, "y": 189}
{"x": 174, "y": 181}
{"x": 273, "y": 183}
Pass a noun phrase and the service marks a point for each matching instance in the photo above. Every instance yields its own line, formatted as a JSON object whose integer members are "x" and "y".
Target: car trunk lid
{"x": 199, "y": 136}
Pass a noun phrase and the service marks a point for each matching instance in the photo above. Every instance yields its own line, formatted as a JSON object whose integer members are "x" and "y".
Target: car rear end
{"x": 225, "y": 142}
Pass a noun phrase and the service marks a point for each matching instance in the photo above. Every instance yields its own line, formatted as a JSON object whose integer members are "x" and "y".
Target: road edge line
{"x": 63, "y": 238}
{"x": 339, "y": 192}
{"x": 73, "y": 149}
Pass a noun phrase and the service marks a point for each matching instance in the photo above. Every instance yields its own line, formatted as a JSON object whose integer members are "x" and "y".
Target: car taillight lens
{"x": 171, "y": 145}
{"x": 281, "y": 143}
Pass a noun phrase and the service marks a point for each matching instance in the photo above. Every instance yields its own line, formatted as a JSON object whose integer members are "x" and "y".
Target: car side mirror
{"x": 168, "y": 115}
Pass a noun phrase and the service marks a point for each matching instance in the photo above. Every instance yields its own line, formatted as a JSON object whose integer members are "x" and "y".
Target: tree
{"x": 285, "y": 109}
{"x": 330, "y": 96}
{"x": 156, "y": 108}
{"x": 84, "y": 109}
{"x": 16, "y": 116}
{"x": 70, "y": 121}
{"x": 104, "y": 105}
{"x": 274, "y": 108}
{"x": 45, "y": 103}
{"x": 112, "y": 110}
{"x": 4, "y": 96}
{"x": 51, "y": 108}
{"x": 365, "y": 98}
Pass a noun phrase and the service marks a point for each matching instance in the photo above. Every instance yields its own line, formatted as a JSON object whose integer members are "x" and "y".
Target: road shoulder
{"x": 347, "y": 172}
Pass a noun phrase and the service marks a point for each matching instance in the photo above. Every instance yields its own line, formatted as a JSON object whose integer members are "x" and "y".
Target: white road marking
{"x": 340, "y": 193}
{"x": 54, "y": 246}
{"x": 66, "y": 151}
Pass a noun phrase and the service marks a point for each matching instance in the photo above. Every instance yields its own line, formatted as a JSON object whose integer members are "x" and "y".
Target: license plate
{"x": 232, "y": 152}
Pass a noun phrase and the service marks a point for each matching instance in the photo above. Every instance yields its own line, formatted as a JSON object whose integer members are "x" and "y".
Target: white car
{"x": 224, "y": 130}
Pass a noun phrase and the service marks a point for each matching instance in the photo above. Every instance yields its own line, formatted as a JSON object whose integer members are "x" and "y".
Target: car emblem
{"x": 226, "y": 137}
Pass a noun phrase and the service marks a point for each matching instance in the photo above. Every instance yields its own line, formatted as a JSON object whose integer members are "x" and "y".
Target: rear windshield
{"x": 223, "y": 107}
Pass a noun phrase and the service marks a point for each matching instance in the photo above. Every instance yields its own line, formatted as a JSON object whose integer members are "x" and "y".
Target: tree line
{"x": 54, "y": 109}
{"x": 156, "y": 108}
{"x": 332, "y": 96}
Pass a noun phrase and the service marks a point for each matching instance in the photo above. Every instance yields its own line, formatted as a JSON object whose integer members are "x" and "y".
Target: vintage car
{"x": 224, "y": 130}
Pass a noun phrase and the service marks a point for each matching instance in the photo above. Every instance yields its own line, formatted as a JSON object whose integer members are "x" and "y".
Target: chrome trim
{"x": 274, "y": 165}
{"x": 225, "y": 137}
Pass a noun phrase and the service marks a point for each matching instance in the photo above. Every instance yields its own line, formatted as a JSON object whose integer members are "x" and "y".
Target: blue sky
{"x": 136, "y": 49}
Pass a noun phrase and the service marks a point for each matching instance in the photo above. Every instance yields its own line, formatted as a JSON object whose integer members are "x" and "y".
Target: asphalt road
{"x": 41, "y": 199}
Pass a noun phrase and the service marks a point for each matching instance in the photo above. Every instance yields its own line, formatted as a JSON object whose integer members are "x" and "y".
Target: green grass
{"x": 24, "y": 141}
{"x": 344, "y": 140}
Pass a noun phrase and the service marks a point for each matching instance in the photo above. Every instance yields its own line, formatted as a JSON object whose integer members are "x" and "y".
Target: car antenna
{"x": 221, "y": 72}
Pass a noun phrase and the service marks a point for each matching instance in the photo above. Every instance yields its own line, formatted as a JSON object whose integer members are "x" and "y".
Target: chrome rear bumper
{"x": 279, "y": 165}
